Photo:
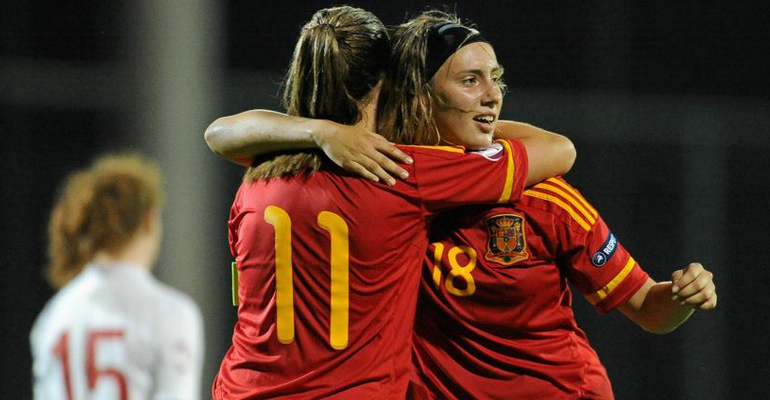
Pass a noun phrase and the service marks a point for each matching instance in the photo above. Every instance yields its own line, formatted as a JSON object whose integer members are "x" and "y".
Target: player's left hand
{"x": 694, "y": 286}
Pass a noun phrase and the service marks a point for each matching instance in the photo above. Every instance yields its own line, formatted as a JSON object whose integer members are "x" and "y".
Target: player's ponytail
{"x": 340, "y": 56}
{"x": 100, "y": 209}
{"x": 315, "y": 84}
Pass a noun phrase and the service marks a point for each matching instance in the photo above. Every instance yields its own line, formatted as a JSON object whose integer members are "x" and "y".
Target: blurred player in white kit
{"x": 113, "y": 331}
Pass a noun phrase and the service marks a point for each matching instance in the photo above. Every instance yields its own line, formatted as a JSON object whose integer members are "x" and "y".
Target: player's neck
{"x": 369, "y": 110}
{"x": 369, "y": 117}
{"x": 138, "y": 251}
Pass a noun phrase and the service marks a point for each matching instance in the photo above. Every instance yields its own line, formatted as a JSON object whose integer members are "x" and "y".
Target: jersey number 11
{"x": 284, "y": 288}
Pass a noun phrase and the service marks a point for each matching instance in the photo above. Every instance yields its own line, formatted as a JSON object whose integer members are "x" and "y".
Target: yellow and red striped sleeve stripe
{"x": 557, "y": 192}
{"x": 509, "y": 173}
{"x": 601, "y": 294}
{"x": 451, "y": 149}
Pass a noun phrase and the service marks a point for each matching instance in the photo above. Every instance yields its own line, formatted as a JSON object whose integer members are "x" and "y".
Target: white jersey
{"x": 116, "y": 333}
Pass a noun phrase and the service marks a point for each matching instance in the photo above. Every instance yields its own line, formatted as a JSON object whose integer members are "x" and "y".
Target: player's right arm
{"x": 601, "y": 267}
{"x": 660, "y": 307}
{"x": 550, "y": 154}
{"x": 241, "y": 137}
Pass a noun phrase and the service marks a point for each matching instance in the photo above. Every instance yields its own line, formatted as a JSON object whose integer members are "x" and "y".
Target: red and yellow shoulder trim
{"x": 509, "y": 173}
{"x": 558, "y": 192}
{"x": 451, "y": 149}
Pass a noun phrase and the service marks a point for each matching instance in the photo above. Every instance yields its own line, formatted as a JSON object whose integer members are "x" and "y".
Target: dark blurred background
{"x": 668, "y": 104}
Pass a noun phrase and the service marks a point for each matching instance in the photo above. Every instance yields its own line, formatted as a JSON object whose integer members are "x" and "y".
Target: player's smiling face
{"x": 468, "y": 96}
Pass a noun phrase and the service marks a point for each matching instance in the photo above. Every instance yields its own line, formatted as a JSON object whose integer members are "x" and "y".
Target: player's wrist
{"x": 318, "y": 131}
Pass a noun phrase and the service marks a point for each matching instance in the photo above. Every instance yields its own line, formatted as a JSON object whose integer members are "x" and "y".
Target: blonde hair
{"x": 340, "y": 56}
{"x": 100, "y": 209}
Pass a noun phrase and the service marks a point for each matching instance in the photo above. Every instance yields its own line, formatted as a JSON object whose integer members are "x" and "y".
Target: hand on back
{"x": 363, "y": 152}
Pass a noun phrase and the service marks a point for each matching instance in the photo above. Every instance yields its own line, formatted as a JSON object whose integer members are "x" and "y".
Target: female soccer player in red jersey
{"x": 494, "y": 315}
{"x": 495, "y": 318}
{"x": 329, "y": 264}
{"x": 113, "y": 331}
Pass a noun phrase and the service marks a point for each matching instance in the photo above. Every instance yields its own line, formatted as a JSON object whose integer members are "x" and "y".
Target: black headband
{"x": 443, "y": 41}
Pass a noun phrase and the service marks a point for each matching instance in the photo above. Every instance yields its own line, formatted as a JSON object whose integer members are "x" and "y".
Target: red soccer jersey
{"x": 494, "y": 317}
{"x": 329, "y": 269}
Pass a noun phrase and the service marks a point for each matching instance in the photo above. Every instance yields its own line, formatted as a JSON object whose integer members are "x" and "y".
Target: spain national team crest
{"x": 507, "y": 243}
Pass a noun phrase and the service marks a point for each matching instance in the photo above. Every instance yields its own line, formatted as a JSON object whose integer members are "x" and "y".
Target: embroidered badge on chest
{"x": 507, "y": 243}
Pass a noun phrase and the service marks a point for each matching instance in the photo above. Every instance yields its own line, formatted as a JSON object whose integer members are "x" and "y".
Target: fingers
{"x": 702, "y": 298}
{"x": 694, "y": 286}
{"x": 369, "y": 156}
{"x": 375, "y": 167}
{"x": 360, "y": 170}
{"x": 388, "y": 165}
{"x": 381, "y": 160}
{"x": 684, "y": 277}
{"x": 368, "y": 169}
{"x": 395, "y": 153}
{"x": 387, "y": 154}
{"x": 677, "y": 275}
{"x": 710, "y": 304}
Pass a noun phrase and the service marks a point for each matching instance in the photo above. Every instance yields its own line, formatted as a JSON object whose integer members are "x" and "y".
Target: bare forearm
{"x": 658, "y": 312}
{"x": 506, "y": 129}
{"x": 550, "y": 154}
{"x": 661, "y": 307}
{"x": 241, "y": 137}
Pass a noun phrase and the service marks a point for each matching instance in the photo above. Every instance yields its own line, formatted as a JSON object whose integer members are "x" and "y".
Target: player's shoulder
{"x": 175, "y": 313}
{"x": 249, "y": 194}
{"x": 176, "y": 301}
{"x": 246, "y": 189}
{"x": 432, "y": 151}
{"x": 173, "y": 295}
{"x": 42, "y": 322}
{"x": 557, "y": 197}
{"x": 494, "y": 152}
{"x": 56, "y": 312}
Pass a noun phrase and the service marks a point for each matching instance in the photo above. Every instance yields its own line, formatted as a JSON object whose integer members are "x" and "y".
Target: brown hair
{"x": 100, "y": 209}
{"x": 407, "y": 98}
{"x": 340, "y": 56}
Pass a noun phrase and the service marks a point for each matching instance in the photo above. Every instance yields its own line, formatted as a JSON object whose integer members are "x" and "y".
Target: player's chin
{"x": 472, "y": 138}
{"x": 480, "y": 141}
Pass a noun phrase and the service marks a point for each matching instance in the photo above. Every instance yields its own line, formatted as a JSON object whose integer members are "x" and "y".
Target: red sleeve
{"x": 232, "y": 230}
{"x": 594, "y": 260}
{"x": 449, "y": 177}
{"x": 234, "y": 222}
{"x": 602, "y": 268}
